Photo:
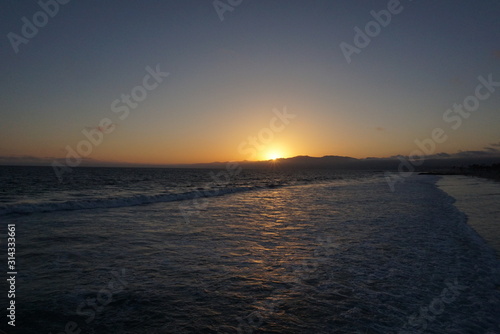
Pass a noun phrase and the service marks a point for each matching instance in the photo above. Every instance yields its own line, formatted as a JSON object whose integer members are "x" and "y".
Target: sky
{"x": 165, "y": 82}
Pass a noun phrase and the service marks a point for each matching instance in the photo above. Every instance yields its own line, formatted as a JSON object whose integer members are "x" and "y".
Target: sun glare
{"x": 273, "y": 156}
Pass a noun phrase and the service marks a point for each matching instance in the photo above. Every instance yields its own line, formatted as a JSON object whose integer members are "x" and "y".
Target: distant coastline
{"x": 491, "y": 172}
{"x": 482, "y": 166}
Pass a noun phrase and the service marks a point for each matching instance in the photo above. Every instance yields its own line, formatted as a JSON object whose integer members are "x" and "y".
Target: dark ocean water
{"x": 37, "y": 189}
{"x": 265, "y": 251}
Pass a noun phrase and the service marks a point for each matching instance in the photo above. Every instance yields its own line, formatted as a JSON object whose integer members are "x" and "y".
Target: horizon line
{"x": 24, "y": 161}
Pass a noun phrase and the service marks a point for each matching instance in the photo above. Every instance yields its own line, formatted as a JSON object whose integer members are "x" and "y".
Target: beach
{"x": 344, "y": 255}
{"x": 479, "y": 199}
{"x": 241, "y": 167}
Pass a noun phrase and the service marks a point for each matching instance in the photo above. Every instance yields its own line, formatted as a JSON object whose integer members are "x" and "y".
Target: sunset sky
{"x": 228, "y": 80}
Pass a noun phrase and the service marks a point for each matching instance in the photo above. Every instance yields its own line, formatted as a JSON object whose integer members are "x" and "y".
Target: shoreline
{"x": 476, "y": 198}
{"x": 485, "y": 174}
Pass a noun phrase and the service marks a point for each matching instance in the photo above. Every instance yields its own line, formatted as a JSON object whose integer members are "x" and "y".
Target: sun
{"x": 273, "y": 156}
{"x": 274, "y": 153}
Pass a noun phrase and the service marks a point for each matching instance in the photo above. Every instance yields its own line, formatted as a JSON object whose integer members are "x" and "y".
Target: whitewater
{"x": 339, "y": 254}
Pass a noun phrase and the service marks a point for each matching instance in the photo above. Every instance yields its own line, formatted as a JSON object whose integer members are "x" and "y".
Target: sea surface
{"x": 122, "y": 250}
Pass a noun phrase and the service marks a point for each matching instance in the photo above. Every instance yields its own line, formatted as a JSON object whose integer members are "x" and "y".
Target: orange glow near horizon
{"x": 274, "y": 152}
{"x": 273, "y": 156}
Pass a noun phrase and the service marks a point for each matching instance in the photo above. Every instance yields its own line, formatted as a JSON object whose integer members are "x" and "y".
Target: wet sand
{"x": 479, "y": 199}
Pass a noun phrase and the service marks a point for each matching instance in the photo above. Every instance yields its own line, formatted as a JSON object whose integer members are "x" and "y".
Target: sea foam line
{"x": 116, "y": 202}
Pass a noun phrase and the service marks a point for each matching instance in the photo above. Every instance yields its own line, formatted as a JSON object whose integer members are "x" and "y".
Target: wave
{"x": 122, "y": 201}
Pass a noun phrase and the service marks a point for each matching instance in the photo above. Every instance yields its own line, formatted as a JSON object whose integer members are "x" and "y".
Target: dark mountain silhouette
{"x": 341, "y": 162}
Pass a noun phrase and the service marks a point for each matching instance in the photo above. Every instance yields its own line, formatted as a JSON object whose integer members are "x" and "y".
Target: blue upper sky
{"x": 225, "y": 78}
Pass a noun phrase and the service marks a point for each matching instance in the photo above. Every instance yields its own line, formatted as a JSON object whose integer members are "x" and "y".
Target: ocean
{"x": 131, "y": 250}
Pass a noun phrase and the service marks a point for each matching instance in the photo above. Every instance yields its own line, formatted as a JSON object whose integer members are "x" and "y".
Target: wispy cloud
{"x": 496, "y": 144}
{"x": 491, "y": 149}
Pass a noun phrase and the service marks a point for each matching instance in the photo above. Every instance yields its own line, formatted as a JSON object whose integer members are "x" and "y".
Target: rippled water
{"x": 333, "y": 256}
{"x": 37, "y": 189}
